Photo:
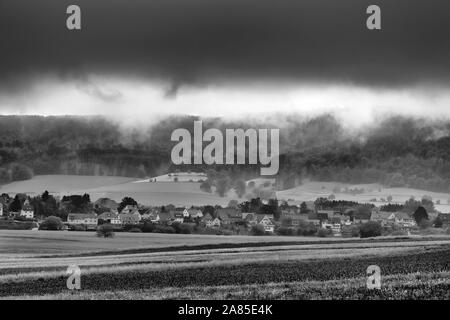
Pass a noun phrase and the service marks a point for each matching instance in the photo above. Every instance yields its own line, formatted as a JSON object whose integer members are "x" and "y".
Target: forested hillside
{"x": 397, "y": 151}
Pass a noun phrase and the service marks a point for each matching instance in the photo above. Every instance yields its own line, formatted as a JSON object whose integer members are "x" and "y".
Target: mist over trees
{"x": 397, "y": 151}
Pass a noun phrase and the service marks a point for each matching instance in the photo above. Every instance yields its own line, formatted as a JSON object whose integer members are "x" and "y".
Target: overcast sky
{"x": 225, "y": 57}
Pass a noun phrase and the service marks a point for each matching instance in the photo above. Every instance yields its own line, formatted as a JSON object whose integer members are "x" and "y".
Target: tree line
{"x": 397, "y": 152}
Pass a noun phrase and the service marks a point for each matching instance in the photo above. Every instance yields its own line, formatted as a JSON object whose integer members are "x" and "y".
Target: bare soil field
{"x": 161, "y": 266}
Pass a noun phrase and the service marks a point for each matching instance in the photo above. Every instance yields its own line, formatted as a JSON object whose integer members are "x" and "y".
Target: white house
{"x": 177, "y": 216}
{"x": 133, "y": 217}
{"x": 383, "y": 217}
{"x": 151, "y": 215}
{"x": 195, "y": 213}
{"x": 215, "y": 223}
{"x": 400, "y": 218}
{"x": 88, "y": 219}
{"x": 336, "y": 228}
{"x": 1, "y": 209}
{"x": 404, "y": 219}
{"x": 211, "y": 222}
{"x": 154, "y": 218}
{"x": 110, "y": 217}
{"x": 27, "y": 210}
{"x": 267, "y": 222}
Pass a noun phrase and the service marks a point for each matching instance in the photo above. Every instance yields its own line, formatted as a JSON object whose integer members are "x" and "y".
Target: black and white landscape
{"x": 358, "y": 206}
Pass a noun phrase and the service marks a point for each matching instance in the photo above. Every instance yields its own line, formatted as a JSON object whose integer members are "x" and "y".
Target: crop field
{"x": 161, "y": 266}
{"x": 116, "y": 188}
{"x": 73, "y": 242}
{"x": 60, "y": 184}
{"x": 160, "y": 193}
{"x": 185, "y": 193}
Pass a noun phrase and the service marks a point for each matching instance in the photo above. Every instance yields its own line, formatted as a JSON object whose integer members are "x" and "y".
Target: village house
{"x": 383, "y": 217}
{"x": 340, "y": 218}
{"x": 361, "y": 217}
{"x": 154, "y": 217}
{"x": 211, "y": 222}
{"x": 325, "y": 214}
{"x": 290, "y": 210}
{"x": 266, "y": 221}
{"x": 224, "y": 218}
{"x": 285, "y": 213}
{"x": 130, "y": 217}
{"x": 388, "y": 218}
{"x": 313, "y": 218}
{"x": 27, "y": 210}
{"x": 164, "y": 217}
{"x": 109, "y": 217}
{"x": 151, "y": 215}
{"x": 336, "y": 228}
{"x": 293, "y": 220}
{"x": 177, "y": 215}
{"x": 229, "y": 215}
{"x": 195, "y": 213}
{"x": 86, "y": 219}
{"x": 186, "y": 214}
{"x": 404, "y": 219}
{"x": 298, "y": 220}
{"x": 145, "y": 216}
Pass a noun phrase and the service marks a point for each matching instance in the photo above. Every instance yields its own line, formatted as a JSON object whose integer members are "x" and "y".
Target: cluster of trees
{"x": 413, "y": 173}
{"x": 398, "y": 152}
{"x": 14, "y": 171}
{"x": 338, "y": 205}
{"x": 257, "y": 206}
{"x": 74, "y": 145}
{"x": 127, "y": 201}
{"x": 223, "y": 182}
{"x": 51, "y": 223}
{"x": 411, "y": 205}
{"x": 46, "y": 205}
{"x": 392, "y": 207}
{"x": 77, "y": 203}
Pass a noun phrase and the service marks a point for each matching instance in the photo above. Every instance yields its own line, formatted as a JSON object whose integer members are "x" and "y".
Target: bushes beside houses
{"x": 175, "y": 228}
{"x": 17, "y": 225}
{"x": 149, "y": 227}
{"x": 306, "y": 229}
{"x": 323, "y": 232}
{"x": 351, "y": 231}
{"x": 258, "y": 230}
{"x": 78, "y": 227}
{"x": 286, "y": 231}
{"x": 51, "y": 223}
{"x": 370, "y": 229}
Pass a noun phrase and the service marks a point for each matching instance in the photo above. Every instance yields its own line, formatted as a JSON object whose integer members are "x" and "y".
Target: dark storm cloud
{"x": 202, "y": 41}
